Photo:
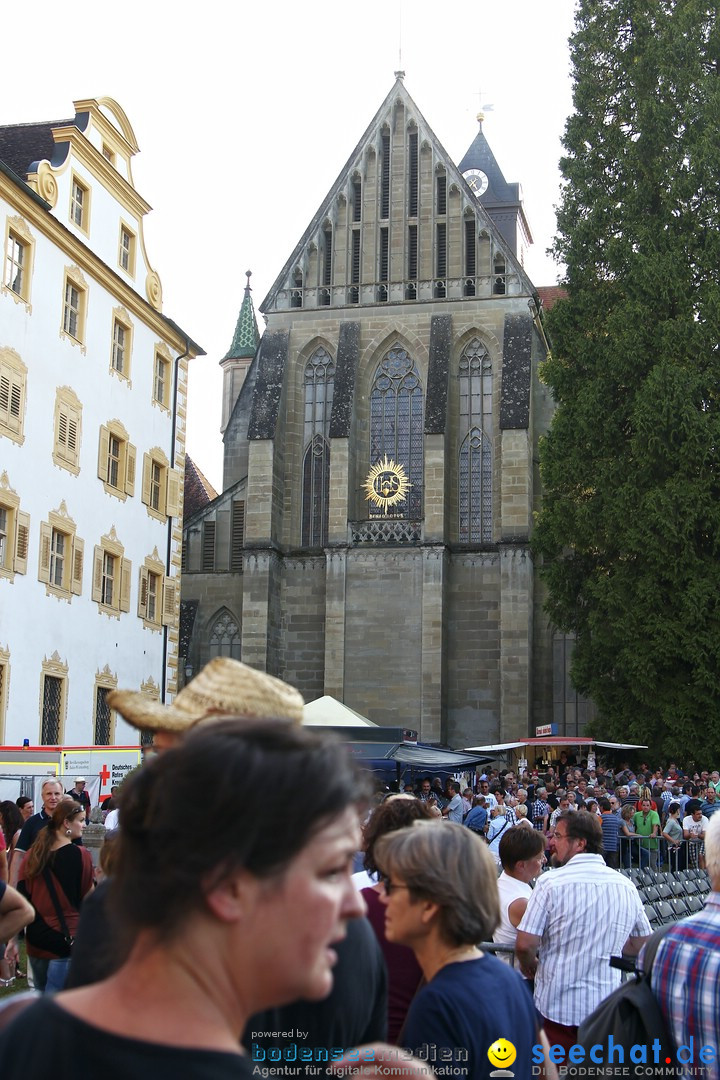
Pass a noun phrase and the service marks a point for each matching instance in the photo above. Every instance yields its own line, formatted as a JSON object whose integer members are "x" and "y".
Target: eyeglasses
{"x": 389, "y": 885}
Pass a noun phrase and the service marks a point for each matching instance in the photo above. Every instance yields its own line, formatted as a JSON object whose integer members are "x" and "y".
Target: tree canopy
{"x": 629, "y": 532}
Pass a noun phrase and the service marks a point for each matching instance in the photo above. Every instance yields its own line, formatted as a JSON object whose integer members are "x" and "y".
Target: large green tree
{"x": 629, "y": 533}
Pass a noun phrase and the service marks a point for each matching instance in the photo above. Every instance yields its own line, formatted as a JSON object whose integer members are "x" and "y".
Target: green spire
{"x": 246, "y": 338}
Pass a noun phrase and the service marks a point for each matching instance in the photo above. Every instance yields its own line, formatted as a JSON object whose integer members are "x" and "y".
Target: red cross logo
{"x": 104, "y": 775}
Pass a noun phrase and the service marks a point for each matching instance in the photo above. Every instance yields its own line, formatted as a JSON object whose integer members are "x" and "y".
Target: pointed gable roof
{"x": 198, "y": 490}
{"x": 300, "y": 283}
{"x": 246, "y": 338}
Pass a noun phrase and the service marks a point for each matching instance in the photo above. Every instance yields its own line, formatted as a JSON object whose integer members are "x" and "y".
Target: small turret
{"x": 240, "y": 355}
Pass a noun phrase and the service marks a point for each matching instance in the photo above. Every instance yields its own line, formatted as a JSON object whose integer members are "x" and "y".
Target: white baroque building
{"x": 93, "y": 381}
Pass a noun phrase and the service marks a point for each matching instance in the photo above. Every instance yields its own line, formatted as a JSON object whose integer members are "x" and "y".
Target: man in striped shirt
{"x": 578, "y": 917}
{"x": 686, "y": 972}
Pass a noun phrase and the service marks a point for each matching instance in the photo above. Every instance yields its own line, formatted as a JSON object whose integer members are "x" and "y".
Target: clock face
{"x": 477, "y": 180}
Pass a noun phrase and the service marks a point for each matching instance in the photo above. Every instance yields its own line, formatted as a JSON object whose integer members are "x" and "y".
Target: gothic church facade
{"x": 403, "y": 329}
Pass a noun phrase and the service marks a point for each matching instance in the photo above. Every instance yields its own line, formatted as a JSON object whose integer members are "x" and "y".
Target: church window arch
{"x": 475, "y": 466}
{"x": 224, "y": 636}
{"x": 499, "y": 271}
{"x": 318, "y": 394}
{"x": 396, "y": 425}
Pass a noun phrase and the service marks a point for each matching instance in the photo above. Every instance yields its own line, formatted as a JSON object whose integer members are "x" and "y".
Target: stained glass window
{"x": 396, "y": 426}
{"x": 318, "y": 390}
{"x": 475, "y": 464}
{"x": 225, "y": 636}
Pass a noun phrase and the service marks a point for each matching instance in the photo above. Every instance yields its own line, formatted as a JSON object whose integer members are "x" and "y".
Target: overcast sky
{"x": 246, "y": 113}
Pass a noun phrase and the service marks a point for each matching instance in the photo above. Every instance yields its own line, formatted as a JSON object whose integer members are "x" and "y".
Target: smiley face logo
{"x": 502, "y": 1053}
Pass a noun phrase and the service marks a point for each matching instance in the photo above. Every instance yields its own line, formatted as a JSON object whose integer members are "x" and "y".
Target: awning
{"x": 409, "y": 754}
{"x": 553, "y": 740}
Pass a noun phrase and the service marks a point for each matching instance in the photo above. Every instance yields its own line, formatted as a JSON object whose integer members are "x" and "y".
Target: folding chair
{"x": 677, "y": 903}
{"x": 665, "y": 912}
{"x": 652, "y": 915}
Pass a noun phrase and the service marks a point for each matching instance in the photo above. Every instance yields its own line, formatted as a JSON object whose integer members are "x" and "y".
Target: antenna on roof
{"x": 399, "y": 36}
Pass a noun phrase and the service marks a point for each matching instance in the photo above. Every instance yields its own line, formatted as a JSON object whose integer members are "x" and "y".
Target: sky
{"x": 245, "y": 114}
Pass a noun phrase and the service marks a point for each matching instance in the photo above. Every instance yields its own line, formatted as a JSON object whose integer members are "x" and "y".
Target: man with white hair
{"x": 686, "y": 973}
{"x": 51, "y": 793}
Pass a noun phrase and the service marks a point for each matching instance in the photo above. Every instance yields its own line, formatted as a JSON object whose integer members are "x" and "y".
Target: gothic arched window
{"x": 224, "y": 636}
{"x": 475, "y": 464}
{"x": 318, "y": 391}
{"x": 396, "y": 425}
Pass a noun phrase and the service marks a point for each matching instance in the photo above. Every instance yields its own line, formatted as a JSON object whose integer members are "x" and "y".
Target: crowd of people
{"x": 251, "y": 948}
{"x": 648, "y": 817}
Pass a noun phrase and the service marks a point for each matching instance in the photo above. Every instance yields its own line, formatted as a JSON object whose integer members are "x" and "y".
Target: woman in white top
{"x": 499, "y": 825}
{"x": 522, "y": 854}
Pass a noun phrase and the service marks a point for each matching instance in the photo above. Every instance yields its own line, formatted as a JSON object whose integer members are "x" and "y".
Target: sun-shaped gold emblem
{"x": 386, "y": 484}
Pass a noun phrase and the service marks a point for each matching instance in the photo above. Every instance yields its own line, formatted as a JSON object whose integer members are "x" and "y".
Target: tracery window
{"x": 318, "y": 391}
{"x": 225, "y": 637}
{"x": 475, "y": 464}
{"x": 396, "y": 426}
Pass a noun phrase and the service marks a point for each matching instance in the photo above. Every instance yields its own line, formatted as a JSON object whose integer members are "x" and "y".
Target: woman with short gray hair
{"x": 441, "y": 899}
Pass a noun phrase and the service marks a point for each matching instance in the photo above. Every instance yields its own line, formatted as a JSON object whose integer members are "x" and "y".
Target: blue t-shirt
{"x": 465, "y": 1009}
{"x": 2, "y": 890}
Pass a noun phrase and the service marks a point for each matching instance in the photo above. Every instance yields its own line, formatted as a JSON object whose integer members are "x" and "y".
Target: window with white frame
{"x": 121, "y": 343}
{"x": 156, "y": 594}
{"x": 126, "y": 250}
{"x": 111, "y": 576}
{"x": 116, "y": 460}
{"x": 75, "y": 294}
{"x": 79, "y": 204}
{"x": 160, "y": 486}
{"x": 17, "y": 267}
{"x": 161, "y": 378}
{"x": 62, "y": 552}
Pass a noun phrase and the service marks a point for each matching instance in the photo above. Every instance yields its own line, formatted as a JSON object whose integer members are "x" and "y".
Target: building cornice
{"x": 36, "y": 213}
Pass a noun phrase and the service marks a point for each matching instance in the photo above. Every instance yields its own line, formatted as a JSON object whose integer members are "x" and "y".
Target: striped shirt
{"x": 540, "y": 810}
{"x": 584, "y": 912}
{"x": 686, "y": 981}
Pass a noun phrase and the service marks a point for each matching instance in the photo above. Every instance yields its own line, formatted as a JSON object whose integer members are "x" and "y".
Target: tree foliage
{"x": 630, "y": 527}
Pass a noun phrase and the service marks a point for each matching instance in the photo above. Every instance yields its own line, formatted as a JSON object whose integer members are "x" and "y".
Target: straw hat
{"x": 224, "y": 687}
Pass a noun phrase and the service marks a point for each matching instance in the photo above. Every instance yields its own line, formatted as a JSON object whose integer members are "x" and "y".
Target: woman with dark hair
{"x": 11, "y": 823}
{"x": 221, "y": 922}
{"x": 404, "y": 973}
{"x": 441, "y": 899}
{"x": 55, "y": 875}
{"x": 25, "y": 806}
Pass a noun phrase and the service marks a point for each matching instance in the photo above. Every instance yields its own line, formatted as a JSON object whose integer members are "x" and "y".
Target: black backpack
{"x": 632, "y": 1015}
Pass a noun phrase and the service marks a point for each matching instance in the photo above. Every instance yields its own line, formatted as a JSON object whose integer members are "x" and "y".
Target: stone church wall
{"x": 302, "y": 652}
{"x": 383, "y": 635}
{"x": 473, "y": 648}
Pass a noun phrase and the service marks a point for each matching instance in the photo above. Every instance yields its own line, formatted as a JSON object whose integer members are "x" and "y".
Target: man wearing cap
{"x": 79, "y": 794}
